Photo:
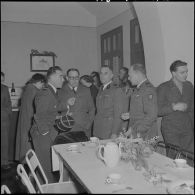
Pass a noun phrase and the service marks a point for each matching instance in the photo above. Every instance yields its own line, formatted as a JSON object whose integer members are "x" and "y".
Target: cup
{"x": 113, "y": 178}
{"x": 180, "y": 162}
{"x": 94, "y": 139}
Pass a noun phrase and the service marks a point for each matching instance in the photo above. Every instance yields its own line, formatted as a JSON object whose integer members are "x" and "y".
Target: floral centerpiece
{"x": 136, "y": 150}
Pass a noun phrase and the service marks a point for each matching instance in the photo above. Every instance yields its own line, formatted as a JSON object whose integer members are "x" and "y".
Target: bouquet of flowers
{"x": 136, "y": 150}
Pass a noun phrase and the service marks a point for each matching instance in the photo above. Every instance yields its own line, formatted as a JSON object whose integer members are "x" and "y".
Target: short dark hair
{"x": 176, "y": 64}
{"x": 125, "y": 69}
{"x": 37, "y": 77}
{"x": 2, "y": 74}
{"x": 139, "y": 68}
{"x": 72, "y": 69}
{"x": 52, "y": 70}
{"x": 87, "y": 78}
{"x": 105, "y": 66}
{"x": 94, "y": 73}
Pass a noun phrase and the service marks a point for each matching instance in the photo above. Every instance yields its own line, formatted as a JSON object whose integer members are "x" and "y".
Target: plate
{"x": 175, "y": 166}
{"x": 181, "y": 187}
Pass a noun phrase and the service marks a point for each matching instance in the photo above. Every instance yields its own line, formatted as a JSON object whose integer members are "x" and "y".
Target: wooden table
{"x": 91, "y": 172}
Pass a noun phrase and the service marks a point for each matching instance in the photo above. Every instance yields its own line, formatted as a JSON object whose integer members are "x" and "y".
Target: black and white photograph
{"x": 97, "y": 97}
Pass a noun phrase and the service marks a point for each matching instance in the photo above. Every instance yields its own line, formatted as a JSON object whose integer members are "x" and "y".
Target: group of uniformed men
{"x": 115, "y": 105}
{"x": 132, "y": 107}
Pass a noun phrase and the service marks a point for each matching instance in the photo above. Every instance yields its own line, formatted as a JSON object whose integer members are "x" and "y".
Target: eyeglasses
{"x": 73, "y": 78}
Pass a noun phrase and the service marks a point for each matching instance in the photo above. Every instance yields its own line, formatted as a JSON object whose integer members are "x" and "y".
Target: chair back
{"x": 170, "y": 150}
{"x": 189, "y": 156}
{"x": 160, "y": 148}
{"x": 173, "y": 151}
{"x": 35, "y": 168}
{"x": 25, "y": 179}
{"x": 5, "y": 189}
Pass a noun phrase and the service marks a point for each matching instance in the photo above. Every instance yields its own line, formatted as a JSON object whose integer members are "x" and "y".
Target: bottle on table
{"x": 13, "y": 91}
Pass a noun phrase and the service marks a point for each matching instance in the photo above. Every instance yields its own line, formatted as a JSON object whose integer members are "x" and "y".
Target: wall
{"x": 168, "y": 34}
{"x": 74, "y": 46}
{"x": 61, "y": 13}
{"x": 124, "y": 20}
{"x": 177, "y": 24}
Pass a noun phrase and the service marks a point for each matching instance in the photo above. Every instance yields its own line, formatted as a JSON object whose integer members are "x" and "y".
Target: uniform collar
{"x": 106, "y": 85}
{"x": 75, "y": 88}
{"x": 172, "y": 83}
{"x": 138, "y": 86}
{"x": 55, "y": 90}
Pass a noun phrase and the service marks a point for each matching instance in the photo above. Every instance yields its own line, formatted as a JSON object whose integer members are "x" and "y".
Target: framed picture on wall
{"x": 41, "y": 62}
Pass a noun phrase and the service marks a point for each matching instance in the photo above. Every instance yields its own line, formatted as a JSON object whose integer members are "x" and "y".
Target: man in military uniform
{"x": 124, "y": 82}
{"x": 176, "y": 107}
{"x": 126, "y": 86}
{"x": 110, "y": 104}
{"x": 6, "y": 115}
{"x": 82, "y": 110}
{"x": 43, "y": 132}
{"x": 143, "y": 105}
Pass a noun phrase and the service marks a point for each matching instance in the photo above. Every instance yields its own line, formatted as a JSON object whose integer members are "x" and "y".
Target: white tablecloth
{"x": 91, "y": 172}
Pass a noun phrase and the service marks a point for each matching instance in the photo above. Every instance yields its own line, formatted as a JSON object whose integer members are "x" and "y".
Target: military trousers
{"x": 42, "y": 146}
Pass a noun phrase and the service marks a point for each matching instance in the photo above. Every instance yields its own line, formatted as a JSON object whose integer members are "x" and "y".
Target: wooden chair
{"x": 25, "y": 179}
{"x": 5, "y": 189}
{"x": 35, "y": 168}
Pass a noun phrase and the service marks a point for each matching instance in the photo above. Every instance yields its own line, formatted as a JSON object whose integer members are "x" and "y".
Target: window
{"x": 112, "y": 50}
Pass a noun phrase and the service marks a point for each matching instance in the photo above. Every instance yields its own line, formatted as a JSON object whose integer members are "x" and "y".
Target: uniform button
{"x": 55, "y": 106}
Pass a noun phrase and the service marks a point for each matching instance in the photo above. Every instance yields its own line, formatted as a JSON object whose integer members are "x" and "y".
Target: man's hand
{"x": 125, "y": 116}
{"x": 180, "y": 106}
{"x": 71, "y": 101}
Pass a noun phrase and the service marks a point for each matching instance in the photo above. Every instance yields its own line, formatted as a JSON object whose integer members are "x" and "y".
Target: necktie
{"x": 74, "y": 90}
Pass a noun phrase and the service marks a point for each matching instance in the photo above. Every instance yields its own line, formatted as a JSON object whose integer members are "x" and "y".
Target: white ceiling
{"x": 91, "y": 14}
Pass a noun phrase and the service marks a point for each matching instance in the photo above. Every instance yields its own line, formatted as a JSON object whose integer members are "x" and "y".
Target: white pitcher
{"x": 111, "y": 153}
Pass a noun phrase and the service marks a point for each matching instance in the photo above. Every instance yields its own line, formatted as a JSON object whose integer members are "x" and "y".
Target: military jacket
{"x": 110, "y": 103}
{"x": 46, "y": 106}
{"x": 143, "y": 110}
{"x": 176, "y": 121}
{"x": 83, "y": 110}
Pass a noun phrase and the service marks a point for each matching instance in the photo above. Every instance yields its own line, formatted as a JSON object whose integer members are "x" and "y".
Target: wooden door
{"x": 112, "y": 50}
{"x": 136, "y": 44}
